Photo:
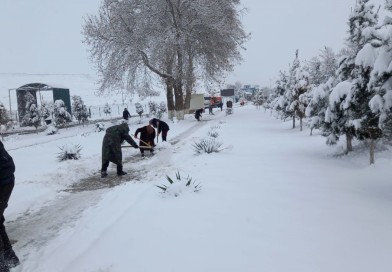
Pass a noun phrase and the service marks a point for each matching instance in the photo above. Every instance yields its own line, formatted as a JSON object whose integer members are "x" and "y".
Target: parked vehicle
{"x": 217, "y": 101}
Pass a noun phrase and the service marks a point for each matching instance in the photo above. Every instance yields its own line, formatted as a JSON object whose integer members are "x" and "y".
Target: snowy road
{"x": 273, "y": 199}
{"x": 34, "y": 229}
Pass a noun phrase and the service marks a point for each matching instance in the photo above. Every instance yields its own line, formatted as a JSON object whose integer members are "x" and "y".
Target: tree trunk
{"x": 294, "y": 121}
{"x": 372, "y": 146}
{"x": 189, "y": 79}
{"x": 179, "y": 100}
{"x": 169, "y": 81}
{"x": 169, "y": 98}
{"x": 349, "y": 140}
{"x": 300, "y": 124}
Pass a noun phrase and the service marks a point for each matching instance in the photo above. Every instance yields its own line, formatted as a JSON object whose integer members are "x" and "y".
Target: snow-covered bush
{"x": 3, "y": 129}
{"x": 207, "y": 145}
{"x": 259, "y": 98}
{"x": 179, "y": 185}
{"x": 60, "y": 114}
{"x": 161, "y": 110}
{"x": 51, "y": 130}
{"x": 107, "y": 109}
{"x": 156, "y": 109}
{"x": 153, "y": 107}
{"x": 46, "y": 110}
{"x": 79, "y": 109}
{"x": 3, "y": 114}
{"x": 139, "y": 109}
{"x": 32, "y": 117}
{"x": 11, "y": 125}
{"x": 99, "y": 127}
{"x": 69, "y": 152}
{"x": 214, "y": 127}
{"x": 213, "y": 133}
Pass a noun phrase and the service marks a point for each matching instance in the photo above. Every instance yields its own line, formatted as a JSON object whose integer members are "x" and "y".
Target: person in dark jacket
{"x": 8, "y": 258}
{"x": 221, "y": 105}
{"x": 147, "y": 137}
{"x": 111, "y": 147}
{"x": 161, "y": 127}
{"x": 198, "y": 114}
{"x": 126, "y": 114}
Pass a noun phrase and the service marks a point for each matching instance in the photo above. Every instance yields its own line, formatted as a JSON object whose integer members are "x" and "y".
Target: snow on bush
{"x": 153, "y": 107}
{"x": 156, "y": 109}
{"x": 60, "y": 114}
{"x": 51, "y": 130}
{"x": 179, "y": 185}
{"x": 161, "y": 110}
{"x": 3, "y": 114}
{"x": 139, "y": 109}
{"x": 340, "y": 92}
{"x": 107, "y": 109}
{"x": 207, "y": 145}
{"x": 99, "y": 127}
{"x": 215, "y": 127}
{"x": 213, "y": 133}
{"x": 79, "y": 109}
{"x": 366, "y": 57}
{"x": 69, "y": 152}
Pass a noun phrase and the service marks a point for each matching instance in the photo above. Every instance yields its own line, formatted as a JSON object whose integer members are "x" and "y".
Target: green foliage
{"x": 184, "y": 182}
{"x": 207, "y": 145}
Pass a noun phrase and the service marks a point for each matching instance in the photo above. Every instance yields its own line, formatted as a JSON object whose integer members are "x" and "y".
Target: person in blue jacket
{"x": 8, "y": 258}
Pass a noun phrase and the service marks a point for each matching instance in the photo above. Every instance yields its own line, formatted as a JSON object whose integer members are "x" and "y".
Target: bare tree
{"x": 174, "y": 40}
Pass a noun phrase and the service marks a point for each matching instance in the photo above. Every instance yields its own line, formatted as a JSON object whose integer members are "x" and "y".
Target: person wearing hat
{"x": 111, "y": 147}
{"x": 147, "y": 137}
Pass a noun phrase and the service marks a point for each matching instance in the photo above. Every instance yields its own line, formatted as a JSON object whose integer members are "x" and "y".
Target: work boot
{"x": 10, "y": 258}
{"x": 122, "y": 173}
{"x": 104, "y": 174}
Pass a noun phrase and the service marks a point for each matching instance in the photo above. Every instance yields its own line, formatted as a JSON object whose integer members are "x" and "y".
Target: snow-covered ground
{"x": 273, "y": 199}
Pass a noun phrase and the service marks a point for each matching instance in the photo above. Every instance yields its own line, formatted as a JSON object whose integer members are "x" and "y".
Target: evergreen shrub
{"x": 178, "y": 185}
{"x": 69, "y": 152}
{"x": 207, "y": 145}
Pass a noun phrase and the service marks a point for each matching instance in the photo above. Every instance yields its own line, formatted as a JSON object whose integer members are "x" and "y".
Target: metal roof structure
{"x": 32, "y": 89}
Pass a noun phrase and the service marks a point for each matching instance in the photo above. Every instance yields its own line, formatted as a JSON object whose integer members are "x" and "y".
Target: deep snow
{"x": 274, "y": 199}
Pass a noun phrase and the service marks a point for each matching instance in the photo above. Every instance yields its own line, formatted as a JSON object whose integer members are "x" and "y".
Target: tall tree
{"x": 346, "y": 116}
{"x": 375, "y": 59}
{"x": 292, "y": 91}
{"x": 172, "y": 39}
{"x": 322, "y": 72}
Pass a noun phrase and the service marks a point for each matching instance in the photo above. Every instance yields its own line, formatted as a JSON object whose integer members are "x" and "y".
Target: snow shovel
{"x": 143, "y": 147}
{"x": 140, "y": 146}
{"x": 157, "y": 131}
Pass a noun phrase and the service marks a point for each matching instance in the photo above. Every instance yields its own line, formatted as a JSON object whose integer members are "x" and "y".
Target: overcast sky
{"x": 44, "y": 36}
